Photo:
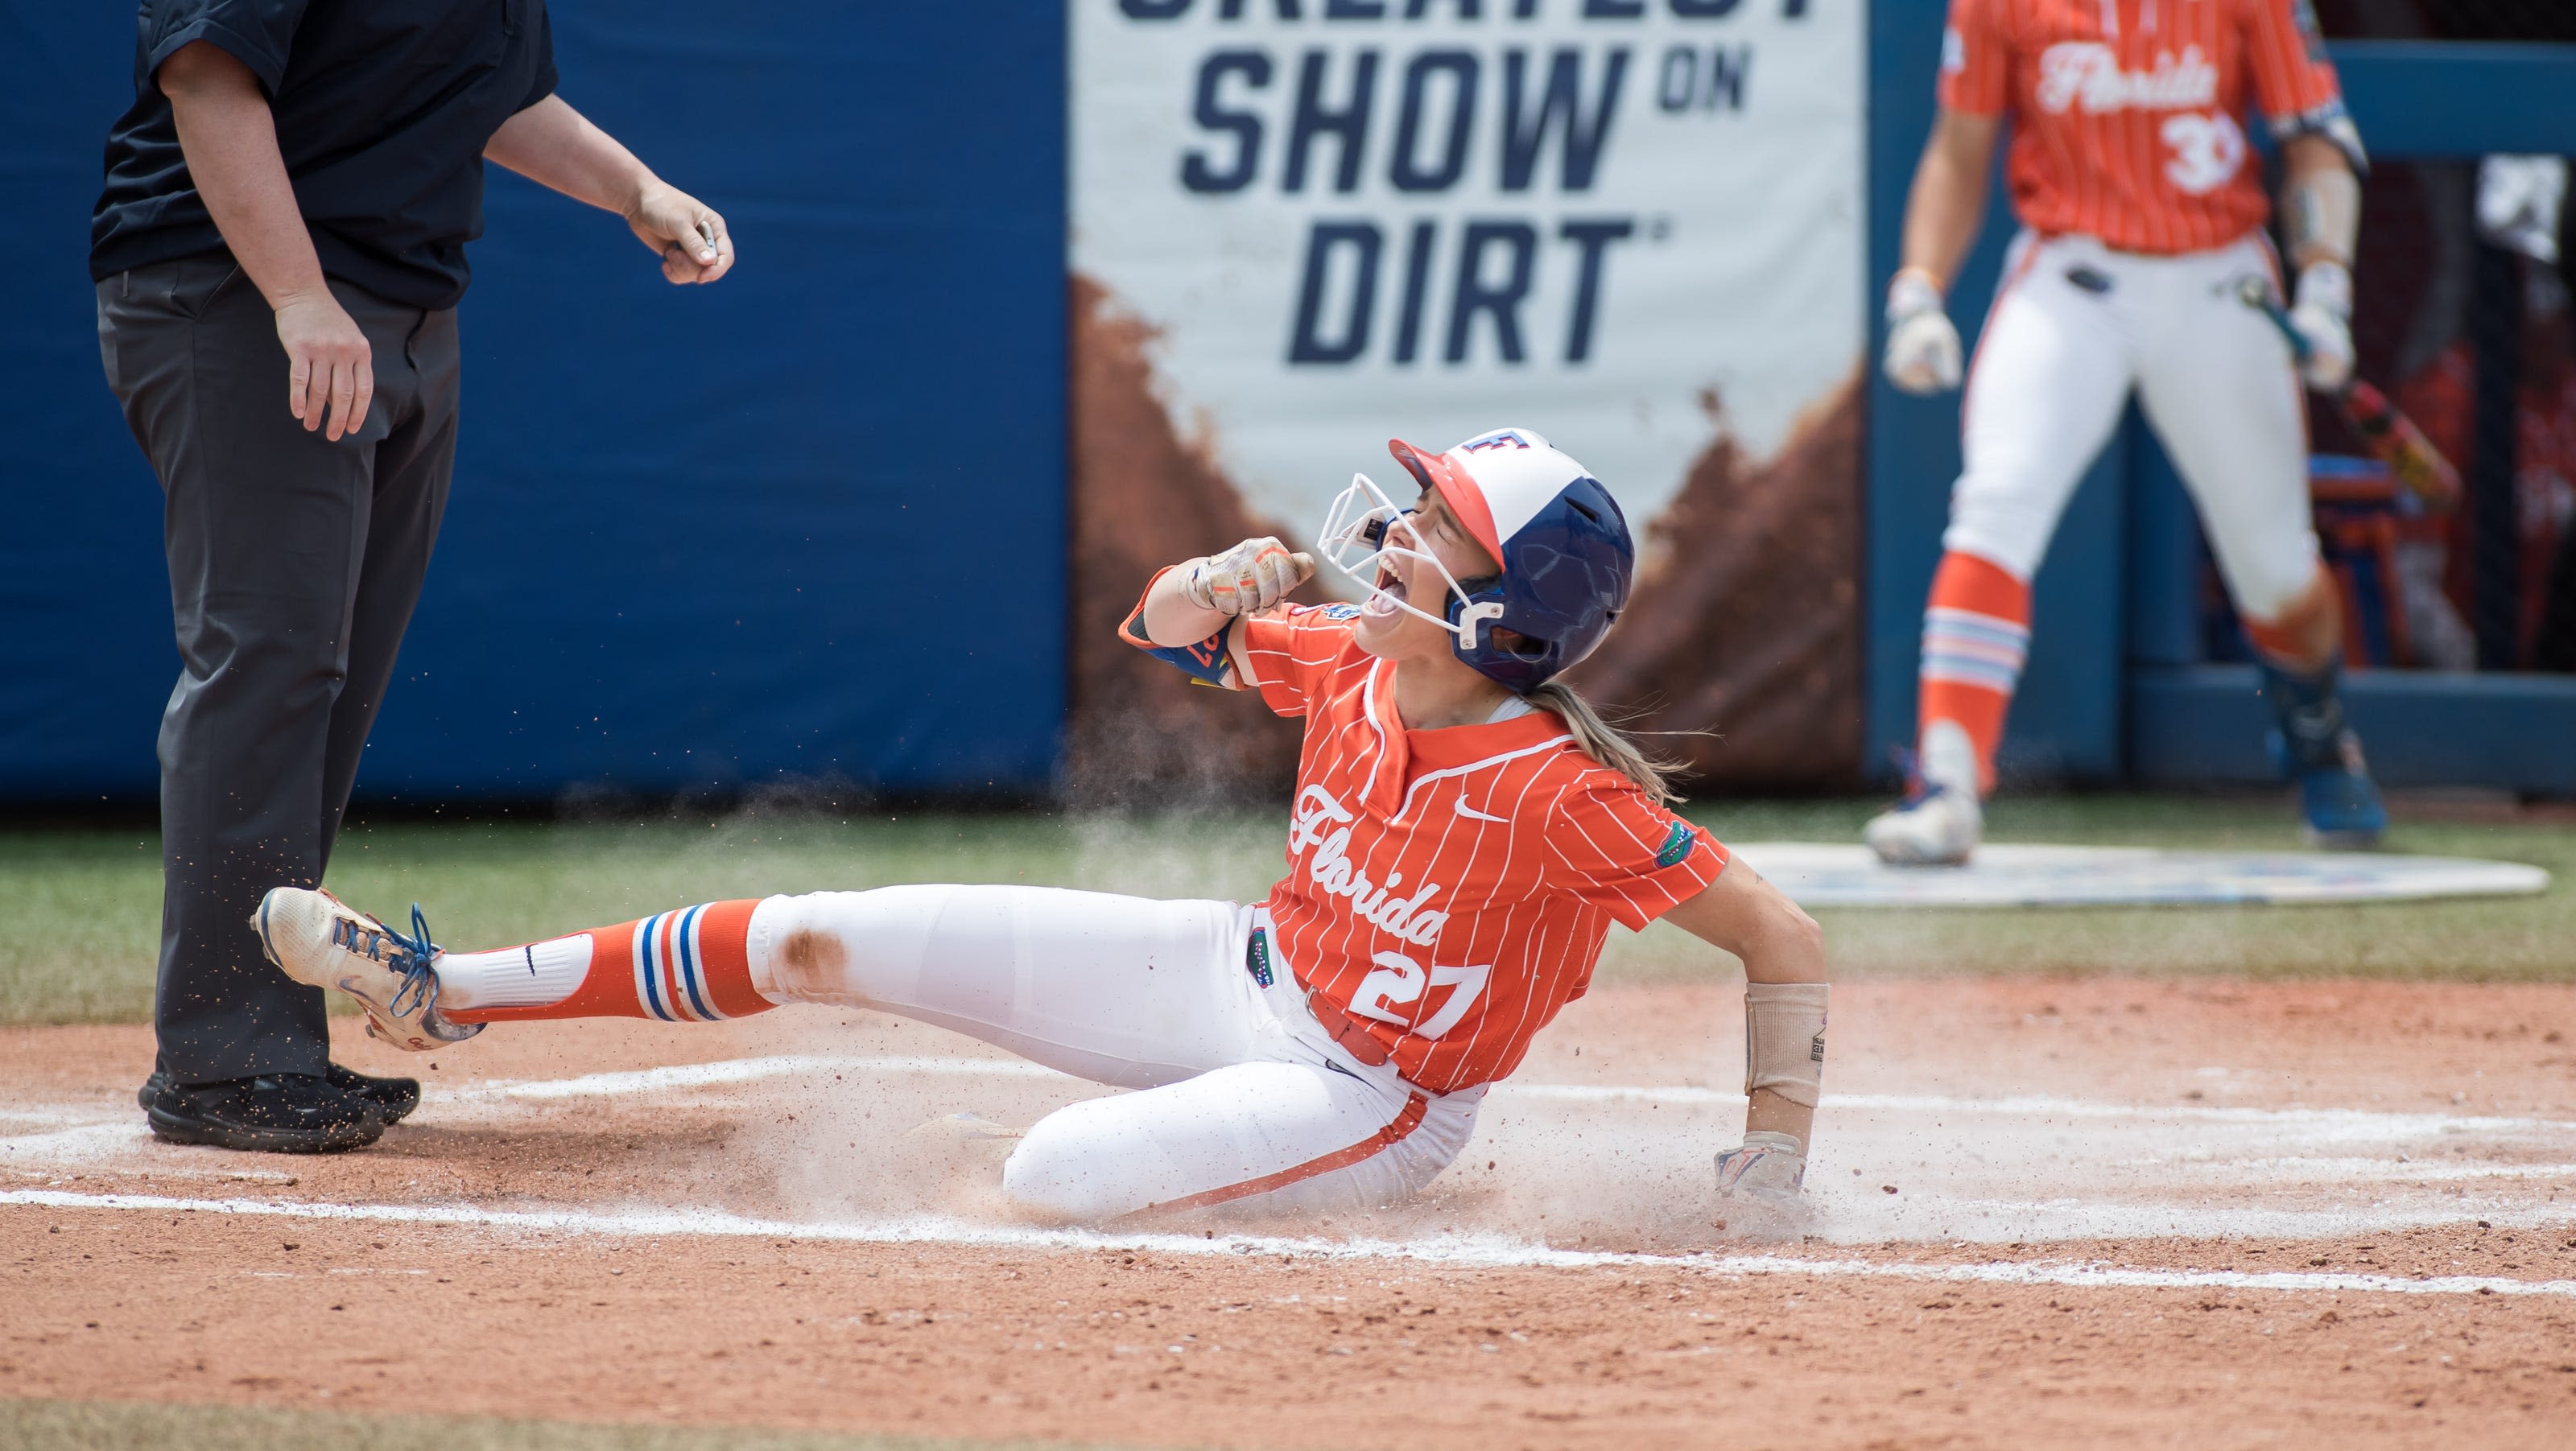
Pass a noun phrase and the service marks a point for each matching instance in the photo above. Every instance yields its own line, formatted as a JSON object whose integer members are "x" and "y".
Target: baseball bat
{"x": 2385, "y": 430}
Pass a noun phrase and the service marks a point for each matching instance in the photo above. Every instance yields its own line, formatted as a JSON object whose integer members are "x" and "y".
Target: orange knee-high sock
{"x": 689, "y": 966}
{"x": 1976, "y": 633}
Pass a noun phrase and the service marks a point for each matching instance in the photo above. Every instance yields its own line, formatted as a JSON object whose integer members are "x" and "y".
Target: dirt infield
{"x": 2046, "y": 1213}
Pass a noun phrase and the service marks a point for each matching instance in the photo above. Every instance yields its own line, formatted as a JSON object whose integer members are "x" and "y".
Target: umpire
{"x": 279, "y": 251}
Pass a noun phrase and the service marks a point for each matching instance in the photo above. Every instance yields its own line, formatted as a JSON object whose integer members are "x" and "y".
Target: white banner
{"x": 1634, "y": 225}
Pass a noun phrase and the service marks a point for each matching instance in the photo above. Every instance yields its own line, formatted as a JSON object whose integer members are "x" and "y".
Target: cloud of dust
{"x": 852, "y": 1145}
{"x": 874, "y": 1146}
{"x": 1566, "y": 1176}
{"x": 894, "y": 1145}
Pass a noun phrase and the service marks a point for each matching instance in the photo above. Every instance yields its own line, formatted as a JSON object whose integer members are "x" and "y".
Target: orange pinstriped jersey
{"x": 1449, "y": 890}
{"x": 2126, "y": 114}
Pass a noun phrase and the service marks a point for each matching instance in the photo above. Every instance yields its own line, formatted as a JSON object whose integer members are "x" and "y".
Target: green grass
{"x": 83, "y": 907}
{"x": 141, "y": 1426}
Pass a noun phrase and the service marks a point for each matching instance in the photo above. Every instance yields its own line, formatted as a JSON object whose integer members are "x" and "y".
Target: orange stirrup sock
{"x": 1976, "y": 633}
{"x": 689, "y": 966}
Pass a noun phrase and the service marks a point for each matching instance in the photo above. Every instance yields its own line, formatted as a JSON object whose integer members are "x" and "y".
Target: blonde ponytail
{"x": 1607, "y": 744}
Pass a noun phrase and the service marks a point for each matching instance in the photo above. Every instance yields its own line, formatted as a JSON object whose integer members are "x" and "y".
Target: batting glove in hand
{"x": 1922, "y": 346}
{"x": 1253, "y": 575}
{"x": 2322, "y": 317}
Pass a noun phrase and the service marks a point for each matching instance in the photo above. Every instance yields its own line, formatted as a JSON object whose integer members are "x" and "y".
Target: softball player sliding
{"x": 2142, "y": 213}
{"x": 1465, "y": 831}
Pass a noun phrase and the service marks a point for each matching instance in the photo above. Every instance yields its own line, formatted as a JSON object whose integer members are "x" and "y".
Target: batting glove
{"x": 2322, "y": 316}
{"x": 1922, "y": 346}
{"x": 1253, "y": 575}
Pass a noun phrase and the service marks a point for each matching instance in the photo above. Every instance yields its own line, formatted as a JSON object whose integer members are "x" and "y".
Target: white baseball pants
{"x": 1242, "y": 1097}
{"x": 2074, "y": 327}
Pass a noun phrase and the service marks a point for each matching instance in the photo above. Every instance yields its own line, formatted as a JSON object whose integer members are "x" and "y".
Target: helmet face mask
{"x": 1365, "y": 530}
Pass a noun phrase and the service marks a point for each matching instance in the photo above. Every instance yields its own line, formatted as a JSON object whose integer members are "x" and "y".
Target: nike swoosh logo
{"x": 1472, "y": 814}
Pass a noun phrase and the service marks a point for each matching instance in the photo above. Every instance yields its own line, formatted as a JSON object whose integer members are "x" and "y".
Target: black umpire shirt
{"x": 383, "y": 108}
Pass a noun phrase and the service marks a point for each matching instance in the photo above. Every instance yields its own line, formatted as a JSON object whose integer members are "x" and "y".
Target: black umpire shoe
{"x": 278, "y": 1113}
{"x": 392, "y": 1098}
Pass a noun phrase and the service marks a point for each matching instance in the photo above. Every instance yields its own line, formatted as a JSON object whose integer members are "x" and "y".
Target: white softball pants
{"x": 2054, "y": 369}
{"x": 1241, "y": 1097}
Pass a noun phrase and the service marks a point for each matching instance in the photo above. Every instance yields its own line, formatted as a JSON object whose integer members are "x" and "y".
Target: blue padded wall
{"x": 807, "y": 523}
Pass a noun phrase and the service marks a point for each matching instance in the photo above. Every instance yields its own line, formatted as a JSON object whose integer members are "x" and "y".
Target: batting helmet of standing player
{"x": 1567, "y": 561}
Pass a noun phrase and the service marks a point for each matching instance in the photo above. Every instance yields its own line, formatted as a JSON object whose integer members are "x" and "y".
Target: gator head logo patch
{"x": 1256, "y": 958}
{"x": 1676, "y": 846}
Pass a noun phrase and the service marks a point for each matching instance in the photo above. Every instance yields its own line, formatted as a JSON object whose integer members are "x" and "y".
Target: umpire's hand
{"x": 687, "y": 232}
{"x": 328, "y": 363}
{"x": 229, "y": 139}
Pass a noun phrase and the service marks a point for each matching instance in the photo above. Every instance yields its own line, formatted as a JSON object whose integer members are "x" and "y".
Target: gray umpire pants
{"x": 294, "y": 566}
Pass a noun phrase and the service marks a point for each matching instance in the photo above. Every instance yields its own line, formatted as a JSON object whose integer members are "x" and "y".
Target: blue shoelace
{"x": 411, "y": 958}
{"x": 1917, "y": 790}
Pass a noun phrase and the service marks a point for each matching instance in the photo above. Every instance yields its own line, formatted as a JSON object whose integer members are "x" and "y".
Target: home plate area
{"x": 1835, "y": 874}
{"x": 2038, "y": 1207}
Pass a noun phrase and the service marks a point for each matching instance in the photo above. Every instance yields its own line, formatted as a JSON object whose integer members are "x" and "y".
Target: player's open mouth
{"x": 1389, "y": 591}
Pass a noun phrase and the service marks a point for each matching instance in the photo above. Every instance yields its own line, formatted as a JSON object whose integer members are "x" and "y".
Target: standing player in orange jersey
{"x": 1465, "y": 831}
{"x": 2142, "y": 213}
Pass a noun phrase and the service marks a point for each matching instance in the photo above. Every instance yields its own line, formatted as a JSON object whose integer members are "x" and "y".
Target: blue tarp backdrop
{"x": 807, "y": 523}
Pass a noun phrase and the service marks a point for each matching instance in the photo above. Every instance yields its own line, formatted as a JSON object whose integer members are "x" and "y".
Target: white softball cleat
{"x": 1760, "y": 1185}
{"x": 1939, "y": 823}
{"x": 316, "y": 938}
{"x": 1934, "y": 826}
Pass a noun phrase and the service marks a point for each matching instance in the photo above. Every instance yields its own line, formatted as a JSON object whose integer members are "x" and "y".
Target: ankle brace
{"x": 2309, "y": 711}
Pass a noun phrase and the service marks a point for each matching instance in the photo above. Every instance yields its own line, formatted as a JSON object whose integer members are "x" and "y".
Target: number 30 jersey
{"x": 1448, "y": 890}
{"x": 2126, "y": 115}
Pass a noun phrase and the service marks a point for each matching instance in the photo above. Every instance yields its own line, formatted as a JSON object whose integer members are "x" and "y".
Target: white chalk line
{"x": 52, "y": 1114}
{"x": 1477, "y": 1252}
{"x": 93, "y": 1137}
{"x": 2038, "y": 1106}
{"x": 86, "y": 1142}
{"x": 58, "y": 1174}
{"x": 1994, "y": 1221}
{"x": 2351, "y": 1171}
